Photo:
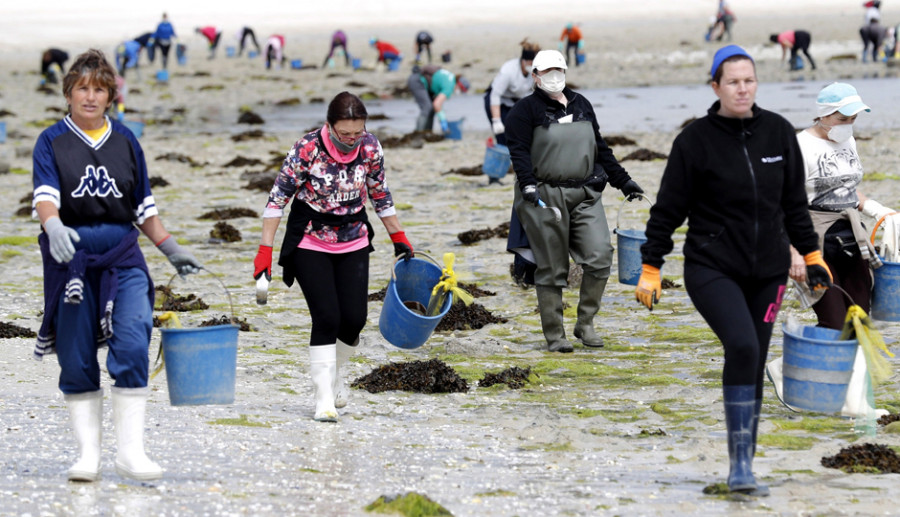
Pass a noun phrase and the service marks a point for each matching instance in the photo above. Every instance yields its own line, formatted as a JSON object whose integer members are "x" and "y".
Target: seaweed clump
{"x": 225, "y": 320}
{"x": 644, "y": 155}
{"x": 170, "y": 301}
{"x": 473, "y": 236}
{"x": 415, "y": 140}
{"x": 467, "y": 317}
{"x": 433, "y": 376}
{"x": 474, "y": 170}
{"x": 221, "y": 214}
{"x": 867, "y": 457}
{"x": 225, "y": 232}
{"x": 513, "y": 377}
{"x": 11, "y": 330}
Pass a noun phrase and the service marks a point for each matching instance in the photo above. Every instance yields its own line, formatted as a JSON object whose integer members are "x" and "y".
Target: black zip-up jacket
{"x": 538, "y": 109}
{"x": 740, "y": 184}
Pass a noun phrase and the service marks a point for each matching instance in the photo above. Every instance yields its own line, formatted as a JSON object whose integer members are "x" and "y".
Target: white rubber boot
{"x": 129, "y": 407}
{"x": 856, "y": 403}
{"x": 323, "y": 370}
{"x": 86, "y": 413}
{"x": 343, "y": 352}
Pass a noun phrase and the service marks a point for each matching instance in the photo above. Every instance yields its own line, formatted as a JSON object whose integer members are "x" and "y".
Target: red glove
{"x": 262, "y": 264}
{"x": 402, "y": 247}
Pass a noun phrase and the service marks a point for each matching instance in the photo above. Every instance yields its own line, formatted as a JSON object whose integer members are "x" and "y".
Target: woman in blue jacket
{"x": 737, "y": 176}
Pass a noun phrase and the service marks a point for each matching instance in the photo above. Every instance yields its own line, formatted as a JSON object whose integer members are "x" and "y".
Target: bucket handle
{"x": 218, "y": 279}
{"x": 619, "y": 212}
{"x": 878, "y": 225}
{"x": 415, "y": 254}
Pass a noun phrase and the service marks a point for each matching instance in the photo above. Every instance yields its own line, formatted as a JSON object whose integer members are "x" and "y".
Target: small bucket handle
{"x": 218, "y": 279}
{"x": 415, "y": 254}
{"x": 619, "y": 212}
{"x": 878, "y": 225}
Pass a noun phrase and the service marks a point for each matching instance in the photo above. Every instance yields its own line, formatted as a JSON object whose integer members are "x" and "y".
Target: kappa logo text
{"x": 96, "y": 183}
{"x": 772, "y": 159}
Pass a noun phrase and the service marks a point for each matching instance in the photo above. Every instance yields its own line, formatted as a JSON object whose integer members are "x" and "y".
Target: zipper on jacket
{"x": 755, "y": 198}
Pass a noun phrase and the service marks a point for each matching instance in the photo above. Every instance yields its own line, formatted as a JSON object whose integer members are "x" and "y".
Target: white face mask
{"x": 839, "y": 133}
{"x": 552, "y": 82}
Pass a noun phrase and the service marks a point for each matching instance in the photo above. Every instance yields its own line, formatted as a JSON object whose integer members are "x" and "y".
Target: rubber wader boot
{"x": 551, "y": 308}
{"x": 129, "y": 407}
{"x": 740, "y": 406}
{"x": 343, "y": 352}
{"x": 323, "y": 369}
{"x": 589, "y": 298}
{"x": 86, "y": 412}
{"x": 761, "y": 490}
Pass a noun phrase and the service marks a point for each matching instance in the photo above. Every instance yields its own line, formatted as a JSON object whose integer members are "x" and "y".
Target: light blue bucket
{"x": 162, "y": 76}
{"x": 628, "y": 250}
{"x": 455, "y": 131}
{"x": 496, "y": 161}
{"x": 2, "y": 132}
{"x": 356, "y": 62}
{"x": 394, "y": 64}
{"x": 200, "y": 364}
{"x": 136, "y": 127}
{"x": 297, "y": 64}
{"x": 412, "y": 281}
{"x": 252, "y": 54}
{"x": 886, "y": 292}
{"x": 230, "y": 51}
{"x": 579, "y": 58}
{"x": 817, "y": 369}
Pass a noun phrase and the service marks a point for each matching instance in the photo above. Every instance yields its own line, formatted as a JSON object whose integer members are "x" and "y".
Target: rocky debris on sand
{"x": 10, "y": 330}
{"x": 225, "y": 232}
{"x": 513, "y": 377}
{"x": 225, "y": 320}
{"x": 867, "y": 457}
{"x": 433, "y": 376}
{"x": 644, "y": 155}
{"x": 221, "y": 214}
{"x": 169, "y": 300}
{"x": 473, "y": 236}
{"x": 467, "y": 317}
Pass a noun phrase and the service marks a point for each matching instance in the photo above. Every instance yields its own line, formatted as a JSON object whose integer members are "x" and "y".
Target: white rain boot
{"x": 343, "y": 352}
{"x": 323, "y": 369}
{"x": 129, "y": 406}
{"x": 86, "y": 413}
{"x": 856, "y": 403}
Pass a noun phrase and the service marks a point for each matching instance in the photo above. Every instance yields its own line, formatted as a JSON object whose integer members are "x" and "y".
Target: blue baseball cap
{"x": 839, "y": 97}
{"x": 724, "y": 53}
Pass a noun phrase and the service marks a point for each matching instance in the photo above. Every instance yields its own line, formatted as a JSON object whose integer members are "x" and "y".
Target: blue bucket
{"x": 455, "y": 131}
{"x": 394, "y": 64}
{"x": 297, "y": 64}
{"x": 412, "y": 281}
{"x": 579, "y": 58}
{"x": 628, "y": 250}
{"x": 496, "y": 161}
{"x": 136, "y": 127}
{"x": 252, "y": 54}
{"x": 2, "y": 132}
{"x": 817, "y": 369}
{"x": 200, "y": 364}
{"x": 230, "y": 51}
{"x": 357, "y": 62}
{"x": 886, "y": 292}
{"x": 162, "y": 76}
{"x": 798, "y": 63}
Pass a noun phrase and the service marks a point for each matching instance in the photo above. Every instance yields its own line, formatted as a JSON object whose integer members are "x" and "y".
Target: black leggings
{"x": 335, "y": 286}
{"x": 802, "y": 39}
{"x": 741, "y": 312}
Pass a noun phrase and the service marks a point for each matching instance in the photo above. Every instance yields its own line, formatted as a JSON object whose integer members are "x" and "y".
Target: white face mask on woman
{"x": 552, "y": 82}
{"x": 839, "y": 133}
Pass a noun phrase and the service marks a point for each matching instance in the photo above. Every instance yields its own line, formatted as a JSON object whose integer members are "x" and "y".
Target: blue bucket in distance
{"x": 412, "y": 281}
{"x": 230, "y": 51}
{"x": 2, "y": 132}
{"x": 136, "y": 127}
{"x": 817, "y": 368}
{"x": 394, "y": 65}
{"x": 252, "y": 54}
{"x": 496, "y": 161}
{"x": 455, "y": 131}
{"x": 297, "y": 64}
{"x": 162, "y": 76}
{"x": 200, "y": 364}
{"x": 886, "y": 292}
{"x": 356, "y": 62}
{"x": 579, "y": 58}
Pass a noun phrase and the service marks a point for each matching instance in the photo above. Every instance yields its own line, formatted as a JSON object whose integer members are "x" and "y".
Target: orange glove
{"x": 818, "y": 276}
{"x": 649, "y": 287}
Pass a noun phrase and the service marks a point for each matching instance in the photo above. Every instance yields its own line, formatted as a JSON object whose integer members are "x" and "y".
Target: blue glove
{"x": 61, "y": 238}
{"x": 445, "y": 126}
{"x": 530, "y": 193}
{"x": 184, "y": 262}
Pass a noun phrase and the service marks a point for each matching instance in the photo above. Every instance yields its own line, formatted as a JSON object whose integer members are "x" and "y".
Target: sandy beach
{"x": 634, "y": 428}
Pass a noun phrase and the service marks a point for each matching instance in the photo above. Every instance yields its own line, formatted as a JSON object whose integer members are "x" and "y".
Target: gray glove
{"x": 184, "y": 262}
{"x": 61, "y": 238}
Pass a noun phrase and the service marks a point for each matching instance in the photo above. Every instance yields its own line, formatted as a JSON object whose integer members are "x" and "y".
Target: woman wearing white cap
{"x": 560, "y": 158}
{"x": 736, "y": 175}
{"x": 833, "y": 172}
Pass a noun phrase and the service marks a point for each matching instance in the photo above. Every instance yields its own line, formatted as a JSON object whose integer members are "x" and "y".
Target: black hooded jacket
{"x": 740, "y": 185}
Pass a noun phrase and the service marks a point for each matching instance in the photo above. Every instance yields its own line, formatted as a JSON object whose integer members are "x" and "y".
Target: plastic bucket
{"x": 817, "y": 369}
{"x": 200, "y": 364}
{"x": 162, "y": 76}
{"x": 297, "y": 64}
{"x": 455, "y": 131}
{"x": 2, "y": 132}
{"x": 798, "y": 63}
{"x": 394, "y": 65}
{"x": 230, "y": 51}
{"x": 496, "y": 161}
{"x": 356, "y": 62}
{"x": 886, "y": 292}
{"x": 579, "y": 58}
{"x": 628, "y": 250}
{"x": 252, "y": 54}
{"x": 136, "y": 127}
{"x": 412, "y": 281}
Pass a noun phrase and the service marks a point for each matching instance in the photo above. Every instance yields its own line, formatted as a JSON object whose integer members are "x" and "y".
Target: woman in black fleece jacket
{"x": 737, "y": 176}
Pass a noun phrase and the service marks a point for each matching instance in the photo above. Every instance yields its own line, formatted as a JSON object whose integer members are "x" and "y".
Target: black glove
{"x": 631, "y": 190}
{"x": 530, "y": 193}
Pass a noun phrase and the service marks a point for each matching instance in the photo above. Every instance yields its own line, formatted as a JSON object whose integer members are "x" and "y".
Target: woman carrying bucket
{"x": 737, "y": 176}
{"x": 90, "y": 191}
{"x": 560, "y": 158}
{"x": 833, "y": 173}
{"x": 330, "y": 173}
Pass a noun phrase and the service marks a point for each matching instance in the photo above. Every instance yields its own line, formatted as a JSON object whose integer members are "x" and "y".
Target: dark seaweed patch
{"x": 513, "y": 377}
{"x": 433, "y": 376}
{"x": 866, "y": 457}
{"x": 11, "y": 330}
